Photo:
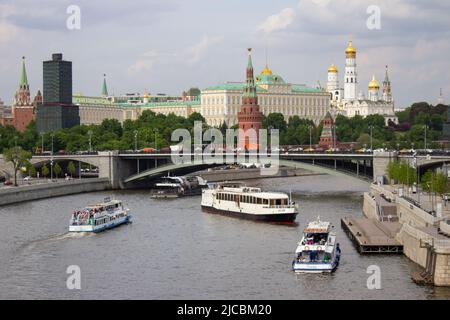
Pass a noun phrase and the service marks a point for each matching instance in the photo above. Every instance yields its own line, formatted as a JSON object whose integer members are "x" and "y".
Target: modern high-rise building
{"x": 57, "y": 110}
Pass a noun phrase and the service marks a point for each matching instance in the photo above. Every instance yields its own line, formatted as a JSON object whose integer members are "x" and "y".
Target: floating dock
{"x": 370, "y": 236}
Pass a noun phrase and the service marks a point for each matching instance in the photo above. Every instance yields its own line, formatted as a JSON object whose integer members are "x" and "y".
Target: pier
{"x": 370, "y": 236}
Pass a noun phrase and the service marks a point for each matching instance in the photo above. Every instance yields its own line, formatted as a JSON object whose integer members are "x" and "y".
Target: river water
{"x": 172, "y": 250}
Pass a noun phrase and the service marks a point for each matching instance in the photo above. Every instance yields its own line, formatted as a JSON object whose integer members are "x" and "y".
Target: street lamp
{"x": 425, "y": 142}
{"x": 310, "y": 137}
{"x": 42, "y": 142}
{"x": 334, "y": 137}
{"x": 135, "y": 140}
{"x": 90, "y": 140}
{"x": 51, "y": 162}
{"x": 371, "y": 139}
{"x": 156, "y": 141}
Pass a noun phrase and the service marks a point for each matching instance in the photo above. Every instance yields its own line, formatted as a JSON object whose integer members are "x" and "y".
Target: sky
{"x": 167, "y": 46}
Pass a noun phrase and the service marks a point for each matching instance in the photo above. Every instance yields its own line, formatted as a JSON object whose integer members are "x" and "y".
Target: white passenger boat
{"x": 99, "y": 217}
{"x": 317, "y": 251}
{"x": 237, "y": 200}
{"x": 174, "y": 187}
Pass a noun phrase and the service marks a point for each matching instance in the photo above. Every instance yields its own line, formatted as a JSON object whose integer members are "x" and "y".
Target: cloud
{"x": 196, "y": 52}
{"x": 279, "y": 21}
{"x": 145, "y": 62}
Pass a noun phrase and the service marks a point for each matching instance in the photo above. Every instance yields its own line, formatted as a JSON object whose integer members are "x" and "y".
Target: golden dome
{"x": 374, "y": 84}
{"x": 332, "y": 68}
{"x": 350, "y": 49}
{"x": 266, "y": 71}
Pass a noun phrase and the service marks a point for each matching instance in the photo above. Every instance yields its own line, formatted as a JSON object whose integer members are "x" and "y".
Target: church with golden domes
{"x": 349, "y": 102}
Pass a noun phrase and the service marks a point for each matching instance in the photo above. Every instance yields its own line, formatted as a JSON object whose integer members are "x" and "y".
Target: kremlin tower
{"x": 249, "y": 116}
{"x": 23, "y": 108}
{"x": 387, "y": 95}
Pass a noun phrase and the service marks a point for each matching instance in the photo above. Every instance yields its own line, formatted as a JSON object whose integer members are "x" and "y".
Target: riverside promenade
{"x": 418, "y": 222}
{"x": 29, "y": 192}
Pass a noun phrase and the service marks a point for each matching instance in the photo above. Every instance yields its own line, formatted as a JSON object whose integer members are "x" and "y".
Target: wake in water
{"x": 57, "y": 237}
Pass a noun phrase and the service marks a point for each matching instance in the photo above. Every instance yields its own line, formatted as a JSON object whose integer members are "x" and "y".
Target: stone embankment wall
{"x": 50, "y": 190}
{"x": 246, "y": 174}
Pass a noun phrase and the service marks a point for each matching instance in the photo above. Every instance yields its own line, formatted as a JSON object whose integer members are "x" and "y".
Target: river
{"x": 173, "y": 250}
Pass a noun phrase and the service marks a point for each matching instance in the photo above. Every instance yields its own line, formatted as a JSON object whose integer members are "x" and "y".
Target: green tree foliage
{"x": 71, "y": 168}
{"x": 31, "y": 171}
{"x": 19, "y": 158}
{"x": 45, "y": 171}
{"x": 435, "y": 182}
{"x": 57, "y": 169}
{"x": 401, "y": 172}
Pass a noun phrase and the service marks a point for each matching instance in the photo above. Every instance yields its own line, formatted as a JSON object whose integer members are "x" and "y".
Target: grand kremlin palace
{"x": 217, "y": 104}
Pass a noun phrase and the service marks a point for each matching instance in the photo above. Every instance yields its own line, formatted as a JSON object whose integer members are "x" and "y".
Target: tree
{"x": 71, "y": 168}
{"x": 45, "y": 171}
{"x": 276, "y": 121}
{"x": 57, "y": 169}
{"x": 441, "y": 183}
{"x": 19, "y": 159}
{"x": 31, "y": 171}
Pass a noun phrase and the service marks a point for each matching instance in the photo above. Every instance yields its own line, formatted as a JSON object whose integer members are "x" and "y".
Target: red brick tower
{"x": 23, "y": 108}
{"x": 249, "y": 116}
{"x": 327, "y": 136}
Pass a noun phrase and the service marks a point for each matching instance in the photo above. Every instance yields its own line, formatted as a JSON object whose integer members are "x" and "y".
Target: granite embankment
{"x": 9, "y": 195}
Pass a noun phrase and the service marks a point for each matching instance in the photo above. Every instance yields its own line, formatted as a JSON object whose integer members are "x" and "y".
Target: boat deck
{"x": 371, "y": 236}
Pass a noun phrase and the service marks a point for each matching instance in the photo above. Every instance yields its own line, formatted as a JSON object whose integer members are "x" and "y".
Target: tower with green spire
{"x": 104, "y": 87}
{"x": 22, "y": 96}
{"x": 249, "y": 116}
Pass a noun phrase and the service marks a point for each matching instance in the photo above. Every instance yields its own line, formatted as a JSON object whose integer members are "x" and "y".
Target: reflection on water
{"x": 175, "y": 251}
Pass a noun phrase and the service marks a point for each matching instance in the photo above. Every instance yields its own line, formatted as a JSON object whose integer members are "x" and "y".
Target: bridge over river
{"x": 128, "y": 170}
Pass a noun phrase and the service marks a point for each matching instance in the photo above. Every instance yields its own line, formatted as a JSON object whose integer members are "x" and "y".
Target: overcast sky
{"x": 167, "y": 46}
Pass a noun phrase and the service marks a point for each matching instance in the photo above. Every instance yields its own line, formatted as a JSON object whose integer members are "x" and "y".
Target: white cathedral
{"x": 348, "y": 102}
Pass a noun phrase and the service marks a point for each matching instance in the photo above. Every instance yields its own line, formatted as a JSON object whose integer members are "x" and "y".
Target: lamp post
{"x": 42, "y": 142}
{"x": 51, "y": 162}
{"x": 90, "y": 140}
{"x": 156, "y": 146}
{"x": 156, "y": 138}
{"x": 310, "y": 137}
{"x": 425, "y": 138}
{"x": 398, "y": 146}
{"x": 334, "y": 137}
{"x": 135, "y": 140}
{"x": 371, "y": 137}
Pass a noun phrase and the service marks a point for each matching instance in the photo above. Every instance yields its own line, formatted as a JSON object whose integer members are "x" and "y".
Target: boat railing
{"x": 284, "y": 206}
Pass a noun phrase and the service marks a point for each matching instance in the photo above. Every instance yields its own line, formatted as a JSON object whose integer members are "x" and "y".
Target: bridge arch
{"x": 193, "y": 167}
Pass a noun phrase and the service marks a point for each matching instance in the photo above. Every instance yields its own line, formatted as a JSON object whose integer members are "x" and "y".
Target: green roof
{"x": 231, "y": 86}
{"x": 269, "y": 79}
{"x": 23, "y": 79}
{"x": 161, "y": 104}
{"x": 104, "y": 87}
{"x": 302, "y": 88}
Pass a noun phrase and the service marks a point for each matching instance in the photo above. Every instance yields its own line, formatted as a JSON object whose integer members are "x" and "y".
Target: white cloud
{"x": 198, "y": 51}
{"x": 279, "y": 21}
{"x": 144, "y": 63}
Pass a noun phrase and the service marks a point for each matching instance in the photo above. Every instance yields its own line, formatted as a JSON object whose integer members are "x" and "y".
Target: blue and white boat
{"x": 99, "y": 217}
{"x": 317, "y": 252}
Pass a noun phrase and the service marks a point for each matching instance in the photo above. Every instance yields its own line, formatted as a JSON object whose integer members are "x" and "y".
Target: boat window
{"x": 259, "y": 200}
